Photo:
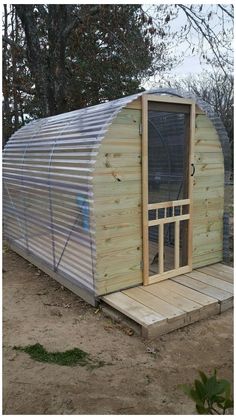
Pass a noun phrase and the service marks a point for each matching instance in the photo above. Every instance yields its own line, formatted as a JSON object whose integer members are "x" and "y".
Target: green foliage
{"x": 210, "y": 394}
{"x": 57, "y": 58}
{"x": 71, "y": 357}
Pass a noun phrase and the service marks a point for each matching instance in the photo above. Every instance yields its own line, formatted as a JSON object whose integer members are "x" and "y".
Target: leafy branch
{"x": 211, "y": 395}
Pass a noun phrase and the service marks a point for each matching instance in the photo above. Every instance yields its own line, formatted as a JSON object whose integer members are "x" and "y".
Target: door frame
{"x": 147, "y": 280}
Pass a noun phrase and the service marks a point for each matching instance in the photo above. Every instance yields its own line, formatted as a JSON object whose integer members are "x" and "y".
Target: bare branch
{"x": 225, "y": 11}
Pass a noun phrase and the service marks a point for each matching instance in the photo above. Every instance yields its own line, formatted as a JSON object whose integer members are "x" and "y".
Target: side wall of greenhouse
{"x": 48, "y": 195}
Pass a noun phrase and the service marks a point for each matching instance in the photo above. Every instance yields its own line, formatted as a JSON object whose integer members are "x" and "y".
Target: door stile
{"x": 145, "y": 189}
{"x": 190, "y": 184}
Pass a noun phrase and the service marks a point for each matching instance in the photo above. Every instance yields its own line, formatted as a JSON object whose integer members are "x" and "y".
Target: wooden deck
{"x": 171, "y": 304}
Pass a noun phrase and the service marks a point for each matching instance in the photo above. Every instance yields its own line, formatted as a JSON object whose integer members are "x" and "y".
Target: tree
{"x": 206, "y": 30}
{"x": 77, "y": 55}
{"x": 215, "y": 88}
{"x": 57, "y": 58}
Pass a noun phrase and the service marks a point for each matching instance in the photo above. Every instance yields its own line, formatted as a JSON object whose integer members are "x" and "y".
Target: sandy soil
{"x": 139, "y": 376}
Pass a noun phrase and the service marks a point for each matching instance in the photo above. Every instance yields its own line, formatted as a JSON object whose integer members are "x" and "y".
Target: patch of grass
{"x": 71, "y": 357}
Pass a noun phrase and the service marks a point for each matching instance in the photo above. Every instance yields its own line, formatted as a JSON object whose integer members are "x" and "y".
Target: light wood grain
{"x": 203, "y": 288}
{"x": 145, "y": 188}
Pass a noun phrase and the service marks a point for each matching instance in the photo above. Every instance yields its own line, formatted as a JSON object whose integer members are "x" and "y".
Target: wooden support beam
{"x": 161, "y": 248}
{"x": 177, "y": 244}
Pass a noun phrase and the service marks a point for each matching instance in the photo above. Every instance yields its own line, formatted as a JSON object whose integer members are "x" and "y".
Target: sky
{"x": 191, "y": 63}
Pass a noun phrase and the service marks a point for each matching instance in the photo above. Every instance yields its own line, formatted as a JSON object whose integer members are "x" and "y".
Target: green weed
{"x": 71, "y": 357}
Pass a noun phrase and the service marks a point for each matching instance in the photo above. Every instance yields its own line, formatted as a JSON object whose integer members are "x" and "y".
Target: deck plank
{"x": 161, "y": 291}
{"x": 214, "y": 292}
{"x": 168, "y": 305}
{"x": 224, "y": 267}
{"x": 210, "y": 280}
{"x": 191, "y": 294}
{"x": 155, "y": 303}
{"x": 218, "y": 272}
{"x": 133, "y": 309}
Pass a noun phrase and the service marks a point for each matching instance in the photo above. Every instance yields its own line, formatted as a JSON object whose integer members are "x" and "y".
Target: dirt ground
{"x": 139, "y": 376}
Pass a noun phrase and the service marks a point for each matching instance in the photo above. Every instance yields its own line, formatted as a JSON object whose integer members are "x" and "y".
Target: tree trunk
{"x": 35, "y": 54}
{"x": 6, "y": 93}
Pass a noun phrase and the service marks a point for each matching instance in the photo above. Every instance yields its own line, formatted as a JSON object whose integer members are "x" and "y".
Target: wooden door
{"x": 167, "y": 168}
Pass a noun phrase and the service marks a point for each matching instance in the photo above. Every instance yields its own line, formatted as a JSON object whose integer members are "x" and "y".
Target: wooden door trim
{"x": 145, "y": 206}
{"x": 145, "y": 189}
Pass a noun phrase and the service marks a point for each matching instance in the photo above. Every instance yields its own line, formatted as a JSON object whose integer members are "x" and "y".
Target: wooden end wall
{"x": 118, "y": 200}
{"x": 208, "y": 194}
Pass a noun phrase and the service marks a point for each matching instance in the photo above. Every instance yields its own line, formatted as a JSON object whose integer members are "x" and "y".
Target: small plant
{"x": 68, "y": 358}
{"x": 211, "y": 395}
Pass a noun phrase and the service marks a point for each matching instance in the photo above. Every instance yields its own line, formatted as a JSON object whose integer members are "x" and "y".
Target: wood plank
{"x": 224, "y": 267}
{"x": 202, "y": 121}
{"x": 209, "y": 225}
{"x": 207, "y": 133}
{"x": 168, "y": 220}
{"x": 119, "y": 281}
{"x": 117, "y": 189}
{"x": 177, "y": 236}
{"x": 130, "y": 117}
{"x": 161, "y": 249}
{"x": 117, "y": 202}
{"x": 117, "y": 175}
{"x": 153, "y": 302}
{"x": 122, "y": 230}
{"x": 203, "y": 288}
{"x": 207, "y": 258}
{"x": 133, "y": 309}
{"x": 124, "y": 133}
{"x": 117, "y": 216}
{"x": 211, "y": 280}
{"x": 114, "y": 244}
{"x": 169, "y": 99}
{"x": 162, "y": 291}
{"x": 136, "y": 104}
{"x": 209, "y": 158}
{"x": 201, "y": 247}
{"x": 189, "y": 293}
{"x": 209, "y": 169}
{"x": 145, "y": 189}
{"x": 207, "y": 180}
{"x": 168, "y": 274}
{"x": 212, "y": 239}
{"x": 217, "y": 272}
{"x": 168, "y": 204}
{"x": 118, "y": 160}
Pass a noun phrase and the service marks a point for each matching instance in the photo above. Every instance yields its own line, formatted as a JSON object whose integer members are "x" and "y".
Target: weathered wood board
{"x": 169, "y": 305}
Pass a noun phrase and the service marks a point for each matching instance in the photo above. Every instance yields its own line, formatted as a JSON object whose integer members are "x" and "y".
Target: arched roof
{"x": 51, "y": 161}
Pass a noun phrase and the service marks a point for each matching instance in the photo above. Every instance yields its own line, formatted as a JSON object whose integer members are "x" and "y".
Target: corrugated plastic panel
{"x": 48, "y": 193}
{"x": 48, "y": 190}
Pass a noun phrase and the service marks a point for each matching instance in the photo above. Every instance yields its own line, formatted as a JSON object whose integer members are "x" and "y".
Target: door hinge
{"x": 140, "y": 129}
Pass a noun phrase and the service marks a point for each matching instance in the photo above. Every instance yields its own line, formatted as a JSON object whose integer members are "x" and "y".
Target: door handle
{"x": 193, "y": 167}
